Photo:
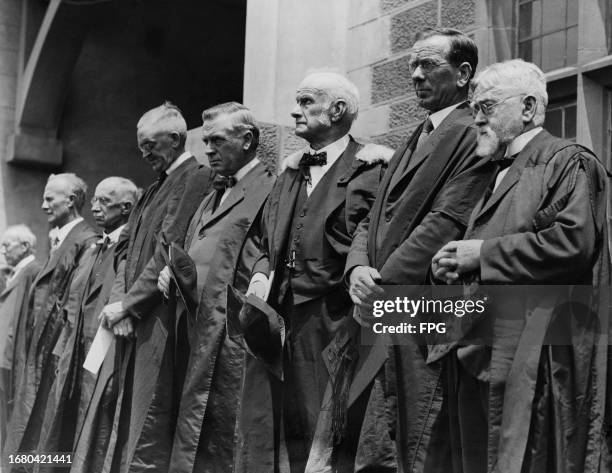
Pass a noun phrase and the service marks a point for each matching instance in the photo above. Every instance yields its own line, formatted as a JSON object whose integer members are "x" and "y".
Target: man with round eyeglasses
{"x": 534, "y": 400}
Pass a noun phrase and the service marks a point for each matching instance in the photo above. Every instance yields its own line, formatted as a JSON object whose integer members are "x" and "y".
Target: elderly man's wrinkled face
{"x": 311, "y": 112}
{"x": 106, "y": 207}
{"x": 57, "y": 203}
{"x": 157, "y": 147}
{"x": 225, "y": 146}
{"x": 12, "y": 248}
{"x": 498, "y": 116}
{"x": 435, "y": 80}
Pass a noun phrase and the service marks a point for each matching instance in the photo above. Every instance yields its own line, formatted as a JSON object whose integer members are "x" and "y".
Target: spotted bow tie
{"x": 318, "y": 159}
{"x": 223, "y": 182}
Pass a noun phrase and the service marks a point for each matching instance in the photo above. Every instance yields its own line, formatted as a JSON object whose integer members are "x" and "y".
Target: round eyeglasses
{"x": 487, "y": 106}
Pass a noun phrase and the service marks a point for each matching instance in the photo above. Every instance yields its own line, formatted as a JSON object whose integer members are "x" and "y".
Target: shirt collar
{"x": 333, "y": 150}
{"x": 518, "y": 143}
{"x": 243, "y": 171}
{"x": 114, "y": 235}
{"x": 439, "y": 116}
{"x": 180, "y": 160}
{"x": 22, "y": 264}
{"x": 62, "y": 233}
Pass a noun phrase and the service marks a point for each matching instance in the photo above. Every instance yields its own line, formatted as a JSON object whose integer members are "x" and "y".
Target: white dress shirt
{"x": 60, "y": 234}
{"x": 439, "y": 116}
{"x": 333, "y": 150}
{"x": 113, "y": 236}
{"x": 180, "y": 160}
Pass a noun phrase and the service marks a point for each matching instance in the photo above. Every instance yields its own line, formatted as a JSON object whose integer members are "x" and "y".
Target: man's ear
{"x": 337, "y": 110}
{"x": 464, "y": 72}
{"x": 175, "y": 139}
{"x": 530, "y": 105}
{"x": 71, "y": 201}
{"x": 247, "y": 140}
{"x": 126, "y": 208}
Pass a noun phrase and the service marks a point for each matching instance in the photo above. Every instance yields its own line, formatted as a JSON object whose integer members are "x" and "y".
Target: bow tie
{"x": 318, "y": 159}
{"x": 223, "y": 182}
{"x": 504, "y": 163}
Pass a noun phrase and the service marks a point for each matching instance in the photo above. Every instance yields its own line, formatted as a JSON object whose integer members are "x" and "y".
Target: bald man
{"x": 44, "y": 319}
{"x": 111, "y": 205}
{"x": 307, "y": 225}
{"x": 17, "y": 245}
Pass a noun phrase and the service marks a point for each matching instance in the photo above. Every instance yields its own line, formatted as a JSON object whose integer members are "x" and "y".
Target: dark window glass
{"x": 548, "y": 33}
{"x": 561, "y": 118}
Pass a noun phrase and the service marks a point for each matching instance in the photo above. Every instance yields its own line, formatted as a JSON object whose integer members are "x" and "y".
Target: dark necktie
{"x": 425, "y": 132}
{"x": 502, "y": 163}
{"x": 317, "y": 159}
{"x": 221, "y": 184}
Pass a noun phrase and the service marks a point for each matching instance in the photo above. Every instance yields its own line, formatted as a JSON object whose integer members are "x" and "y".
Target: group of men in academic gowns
{"x": 239, "y": 302}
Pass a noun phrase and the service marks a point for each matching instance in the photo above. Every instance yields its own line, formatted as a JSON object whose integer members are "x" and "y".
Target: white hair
{"x": 336, "y": 87}
{"x": 21, "y": 233}
{"x": 76, "y": 187}
{"x": 167, "y": 117}
{"x": 123, "y": 187}
{"x": 521, "y": 76}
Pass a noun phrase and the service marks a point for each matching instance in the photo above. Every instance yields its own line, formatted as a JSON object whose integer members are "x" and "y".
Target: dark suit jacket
{"x": 163, "y": 212}
{"x": 44, "y": 321}
{"x": 205, "y": 432}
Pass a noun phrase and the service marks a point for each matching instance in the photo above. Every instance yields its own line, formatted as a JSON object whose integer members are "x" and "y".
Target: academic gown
{"x": 143, "y": 428}
{"x": 44, "y": 321}
{"x": 205, "y": 434}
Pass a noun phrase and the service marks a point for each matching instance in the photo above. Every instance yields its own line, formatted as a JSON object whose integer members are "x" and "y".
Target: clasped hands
{"x": 117, "y": 319}
{"x": 455, "y": 259}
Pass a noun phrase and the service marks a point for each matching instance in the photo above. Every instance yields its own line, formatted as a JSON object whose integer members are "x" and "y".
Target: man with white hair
{"x": 111, "y": 205}
{"x": 323, "y": 193}
{"x": 150, "y": 374}
{"x": 42, "y": 323}
{"x": 17, "y": 245}
{"x": 533, "y": 400}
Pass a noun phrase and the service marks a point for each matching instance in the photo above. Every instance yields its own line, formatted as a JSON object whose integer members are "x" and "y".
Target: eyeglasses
{"x": 103, "y": 201}
{"x": 426, "y": 65}
{"x": 486, "y": 106}
{"x": 147, "y": 146}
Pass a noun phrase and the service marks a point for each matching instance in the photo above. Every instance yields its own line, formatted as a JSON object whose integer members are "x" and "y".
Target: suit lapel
{"x": 508, "y": 182}
{"x": 234, "y": 197}
{"x": 340, "y": 174}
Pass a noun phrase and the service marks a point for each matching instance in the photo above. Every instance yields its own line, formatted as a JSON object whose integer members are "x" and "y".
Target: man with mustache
{"x": 433, "y": 182}
{"x": 111, "y": 205}
{"x": 307, "y": 226}
{"x": 534, "y": 400}
{"x": 44, "y": 318}
{"x": 151, "y": 368}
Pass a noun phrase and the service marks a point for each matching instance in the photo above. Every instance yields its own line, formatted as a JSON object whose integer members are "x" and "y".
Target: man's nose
{"x": 418, "y": 75}
{"x": 296, "y": 111}
{"x": 480, "y": 118}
